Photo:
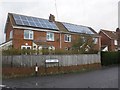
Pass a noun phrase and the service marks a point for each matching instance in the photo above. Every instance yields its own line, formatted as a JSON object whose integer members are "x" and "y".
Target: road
{"x": 103, "y": 78}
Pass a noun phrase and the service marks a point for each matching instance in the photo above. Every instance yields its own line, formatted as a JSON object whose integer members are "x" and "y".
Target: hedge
{"x": 13, "y": 51}
{"x": 110, "y": 58}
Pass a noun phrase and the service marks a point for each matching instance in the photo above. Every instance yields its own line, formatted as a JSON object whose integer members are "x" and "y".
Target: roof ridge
{"x": 110, "y": 34}
{"x": 28, "y": 16}
{"x": 107, "y": 30}
{"x": 75, "y": 24}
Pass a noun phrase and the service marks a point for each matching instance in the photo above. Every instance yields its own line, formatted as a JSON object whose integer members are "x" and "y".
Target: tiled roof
{"x": 61, "y": 26}
{"x": 110, "y": 34}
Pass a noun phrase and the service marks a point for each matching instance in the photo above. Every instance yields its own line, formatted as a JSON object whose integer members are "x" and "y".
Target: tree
{"x": 84, "y": 44}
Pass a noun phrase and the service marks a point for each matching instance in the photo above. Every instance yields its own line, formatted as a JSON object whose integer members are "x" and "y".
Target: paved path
{"x": 103, "y": 78}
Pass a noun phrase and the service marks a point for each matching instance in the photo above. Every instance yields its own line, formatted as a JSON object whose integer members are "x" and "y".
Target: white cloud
{"x": 94, "y": 13}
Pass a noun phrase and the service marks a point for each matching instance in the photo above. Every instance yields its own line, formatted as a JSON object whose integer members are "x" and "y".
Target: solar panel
{"x": 19, "y": 22}
{"x": 34, "y": 22}
{"x": 77, "y": 28}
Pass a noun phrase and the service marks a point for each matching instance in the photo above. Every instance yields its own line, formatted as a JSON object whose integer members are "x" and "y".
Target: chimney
{"x": 117, "y": 30}
{"x": 51, "y": 18}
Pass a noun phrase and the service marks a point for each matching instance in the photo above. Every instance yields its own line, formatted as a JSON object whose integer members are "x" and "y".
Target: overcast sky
{"x": 98, "y": 14}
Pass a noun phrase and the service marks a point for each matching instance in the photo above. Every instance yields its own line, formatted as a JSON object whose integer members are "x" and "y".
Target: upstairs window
{"x": 95, "y": 40}
{"x": 67, "y": 38}
{"x": 115, "y": 42}
{"x": 50, "y": 36}
{"x": 28, "y": 34}
{"x": 11, "y": 34}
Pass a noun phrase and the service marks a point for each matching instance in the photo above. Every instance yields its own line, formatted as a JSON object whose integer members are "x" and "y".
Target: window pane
{"x": 47, "y": 36}
{"x": 115, "y": 42}
{"x": 11, "y": 34}
{"x": 26, "y": 34}
{"x": 28, "y": 47}
{"x": 31, "y": 34}
{"x": 67, "y": 38}
{"x": 23, "y": 48}
{"x": 95, "y": 40}
{"x": 50, "y": 36}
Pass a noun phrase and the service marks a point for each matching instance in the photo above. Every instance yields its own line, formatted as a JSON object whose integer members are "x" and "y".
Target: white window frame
{"x": 68, "y": 38}
{"x": 23, "y": 46}
{"x": 115, "y": 42}
{"x": 95, "y": 40}
{"x": 29, "y": 34}
{"x": 83, "y": 39}
{"x": 11, "y": 34}
{"x": 48, "y": 36}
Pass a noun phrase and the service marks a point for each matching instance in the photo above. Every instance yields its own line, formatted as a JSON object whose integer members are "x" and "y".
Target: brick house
{"x": 110, "y": 40}
{"x": 26, "y": 32}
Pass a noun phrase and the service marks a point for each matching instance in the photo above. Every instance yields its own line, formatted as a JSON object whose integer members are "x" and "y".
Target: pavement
{"x": 103, "y": 78}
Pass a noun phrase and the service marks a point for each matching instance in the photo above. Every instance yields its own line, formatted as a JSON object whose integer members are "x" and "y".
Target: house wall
{"x": 18, "y": 38}
{"x": 112, "y": 47}
{"x": 41, "y": 35}
{"x": 98, "y": 45}
{"x": 38, "y": 35}
{"x": 107, "y": 41}
{"x": 17, "y": 42}
{"x": 8, "y": 29}
{"x": 65, "y": 45}
{"x": 56, "y": 42}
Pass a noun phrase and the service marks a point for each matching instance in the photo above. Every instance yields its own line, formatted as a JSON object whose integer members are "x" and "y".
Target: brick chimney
{"x": 117, "y": 30}
{"x": 51, "y": 18}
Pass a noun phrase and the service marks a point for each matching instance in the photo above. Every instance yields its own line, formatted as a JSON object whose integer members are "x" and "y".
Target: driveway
{"x": 103, "y": 78}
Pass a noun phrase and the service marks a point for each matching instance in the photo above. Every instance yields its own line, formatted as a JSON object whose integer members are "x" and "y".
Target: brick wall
{"x": 8, "y": 29}
{"x": 107, "y": 41}
{"x": 18, "y": 38}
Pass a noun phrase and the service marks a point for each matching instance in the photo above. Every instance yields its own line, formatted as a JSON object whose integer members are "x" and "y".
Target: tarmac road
{"x": 103, "y": 78}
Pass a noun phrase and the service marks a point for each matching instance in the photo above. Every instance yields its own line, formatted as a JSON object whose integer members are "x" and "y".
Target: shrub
{"x": 13, "y": 51}
{"x": 110, "y": 58}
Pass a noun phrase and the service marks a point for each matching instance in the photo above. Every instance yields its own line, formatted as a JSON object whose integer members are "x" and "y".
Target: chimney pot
{"x": 51, "y": 18}
{"x": 117, "y": 30}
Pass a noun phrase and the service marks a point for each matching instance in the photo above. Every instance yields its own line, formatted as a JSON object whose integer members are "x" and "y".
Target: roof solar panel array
{"x": 77, "y": 28}
{"x": 34, "y": 22}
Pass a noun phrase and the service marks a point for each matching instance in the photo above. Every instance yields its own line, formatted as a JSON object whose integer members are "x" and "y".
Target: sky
{"x": 98, "y": 14}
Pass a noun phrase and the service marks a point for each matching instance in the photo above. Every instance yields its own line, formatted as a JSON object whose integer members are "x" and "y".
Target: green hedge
{"x": 110, "y": 58}
{"x": 13, "y": 51}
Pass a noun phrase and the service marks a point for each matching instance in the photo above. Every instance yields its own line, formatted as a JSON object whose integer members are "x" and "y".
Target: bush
{"x": 110, "y": 58}
{"x": 13, "y": 51}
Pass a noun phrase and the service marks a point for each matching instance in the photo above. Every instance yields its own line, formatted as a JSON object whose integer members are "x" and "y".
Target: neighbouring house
{"x": 118, "y": 38}
{"x": 27, "y": 32}
{"x": 110, "y": 40}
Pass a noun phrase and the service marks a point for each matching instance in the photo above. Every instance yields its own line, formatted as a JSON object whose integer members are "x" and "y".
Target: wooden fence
{"x": 64, "y": 60}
